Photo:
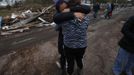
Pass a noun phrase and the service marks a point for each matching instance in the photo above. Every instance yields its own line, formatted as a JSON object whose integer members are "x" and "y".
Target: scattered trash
{"x": 53, "y": 24}
{"x": 5, "y": 33}
{"x": 5, "y": 28}
{"x": 27, "y": 13}
{"x": 44, "y": 21}
{"x": 22, "y": 21}
{"x": 123, "y": 22}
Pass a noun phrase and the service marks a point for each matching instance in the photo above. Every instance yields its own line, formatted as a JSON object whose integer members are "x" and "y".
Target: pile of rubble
{"x": 24, "y": 21}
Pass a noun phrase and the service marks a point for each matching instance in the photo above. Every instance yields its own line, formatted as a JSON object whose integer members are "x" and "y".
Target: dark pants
{"x": 61, "y": 50}
{"x": 73, "y": 55}
{"x": 95, "y": 14}
{"x": 132, "y": 71}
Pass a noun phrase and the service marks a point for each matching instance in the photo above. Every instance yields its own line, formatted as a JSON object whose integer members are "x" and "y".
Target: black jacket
{"x": 127, "y": 42}
{"x": 96, "y": 7}
{"x": 62, "y": 17}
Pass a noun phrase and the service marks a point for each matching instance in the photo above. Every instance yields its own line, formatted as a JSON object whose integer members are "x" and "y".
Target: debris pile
{"x": 20, "y": 22}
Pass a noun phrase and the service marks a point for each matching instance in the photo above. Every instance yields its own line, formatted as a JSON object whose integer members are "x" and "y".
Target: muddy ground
{"x": 40, "y": 59}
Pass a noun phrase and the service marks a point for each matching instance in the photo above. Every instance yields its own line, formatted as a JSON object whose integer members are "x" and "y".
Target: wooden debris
{"x": 26, "y": 21}
{"x": 25, "y": 24}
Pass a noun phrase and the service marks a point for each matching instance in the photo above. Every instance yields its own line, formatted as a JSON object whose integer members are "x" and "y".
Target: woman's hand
{"x": 79, "y": 16}
{"x": 66, "y": 10}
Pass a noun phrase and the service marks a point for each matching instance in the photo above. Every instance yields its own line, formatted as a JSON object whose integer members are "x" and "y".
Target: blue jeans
{"x": 124, "y": 62}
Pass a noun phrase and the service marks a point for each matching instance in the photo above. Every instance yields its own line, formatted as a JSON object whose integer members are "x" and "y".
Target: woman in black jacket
{"x": 125, "y": 59}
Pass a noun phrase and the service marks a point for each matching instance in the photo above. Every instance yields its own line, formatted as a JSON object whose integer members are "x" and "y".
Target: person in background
{"x": 60, "y": 6}
{"x": 96, "y": 8}
{"x": 124, "y": 62}
{"x": 110, "y": 7}
{"x": 1, "y": 19}
{"x": 105, "y": 13}
{"x": 74, "y": 25}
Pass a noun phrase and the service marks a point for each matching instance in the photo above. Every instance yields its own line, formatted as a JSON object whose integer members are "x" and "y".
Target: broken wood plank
{"x": 21, "y": 23}
{"x": 44, "y": 21}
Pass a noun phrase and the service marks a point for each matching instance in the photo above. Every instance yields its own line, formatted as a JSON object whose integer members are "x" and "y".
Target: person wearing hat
{"x": 74, "y": 15}
{"x": 124, "y": 62}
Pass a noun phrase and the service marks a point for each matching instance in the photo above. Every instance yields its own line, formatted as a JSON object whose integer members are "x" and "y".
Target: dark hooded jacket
{"x": 61, "y": 17}
{"x": 127, "y": 42}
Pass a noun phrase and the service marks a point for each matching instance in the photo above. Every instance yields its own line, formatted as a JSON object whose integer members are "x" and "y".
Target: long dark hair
{"x": 58, "y": 5}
